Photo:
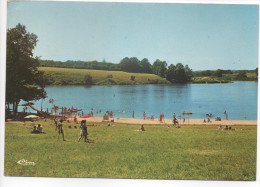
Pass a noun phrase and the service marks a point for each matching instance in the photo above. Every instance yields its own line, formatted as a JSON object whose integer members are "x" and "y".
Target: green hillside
{"x": 67, "y": 76}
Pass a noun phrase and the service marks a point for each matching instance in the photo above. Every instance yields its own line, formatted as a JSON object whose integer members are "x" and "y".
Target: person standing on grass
{"x": 60, "y": 130}
{"x": 174, "y": 119}
{"x": 56, "y": 123}
{"x": 83, "y": 131}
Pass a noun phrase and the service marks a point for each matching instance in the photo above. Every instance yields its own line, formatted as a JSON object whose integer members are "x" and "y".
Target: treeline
{"x": 221, "y": 72}
{"x": 216, "y": 73}
{"x": 133, "y": 65}
{"x": 174, "y": 73}
{"x": 81, "y": 65}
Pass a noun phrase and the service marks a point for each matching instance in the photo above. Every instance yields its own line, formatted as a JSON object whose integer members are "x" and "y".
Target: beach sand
{"x": 169, "y": 121}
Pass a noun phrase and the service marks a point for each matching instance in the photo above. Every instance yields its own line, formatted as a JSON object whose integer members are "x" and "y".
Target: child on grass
{"x": 83, "y": 131}
{"x": 60, "y": 130}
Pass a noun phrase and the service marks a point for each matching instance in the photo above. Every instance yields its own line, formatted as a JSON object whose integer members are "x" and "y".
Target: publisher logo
{"x": 25, "y": 162}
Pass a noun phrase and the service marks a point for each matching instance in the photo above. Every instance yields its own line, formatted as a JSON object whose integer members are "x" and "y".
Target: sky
{"x": 199, "y": 35}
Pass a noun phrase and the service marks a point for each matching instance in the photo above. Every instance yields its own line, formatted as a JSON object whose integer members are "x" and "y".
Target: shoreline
{"x": 167, "y": 121}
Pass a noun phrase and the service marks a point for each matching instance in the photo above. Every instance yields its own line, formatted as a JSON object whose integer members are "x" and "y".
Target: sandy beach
{"x": 169, "y": 121}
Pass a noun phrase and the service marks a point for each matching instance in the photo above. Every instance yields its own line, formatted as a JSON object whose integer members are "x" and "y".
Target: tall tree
{"x": 145, "y": 66}
{"x": 188, "y": 72}
{"x": 179, "y": 73}
{"x": 170, "y": 73}
{"x": 23, "y": 80}
{"x": 159, "y": 68}
{"x": 218, "y": 72}
{"x": 130, "y": 65}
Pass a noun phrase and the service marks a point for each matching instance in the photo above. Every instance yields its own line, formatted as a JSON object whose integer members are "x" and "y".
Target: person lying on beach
{"x": 218, "y": 119}
{"x": 60, "y": 130}
{"x": 83, "y": 131}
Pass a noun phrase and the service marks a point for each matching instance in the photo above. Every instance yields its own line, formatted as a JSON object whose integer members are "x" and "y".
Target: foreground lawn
{"x": 120, "y": 151}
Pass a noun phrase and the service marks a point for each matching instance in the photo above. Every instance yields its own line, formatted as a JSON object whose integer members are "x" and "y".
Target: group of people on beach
{"x": 84, "y": 130}
{"x": 144, "y": 116}
{"x": 205, "y": 121}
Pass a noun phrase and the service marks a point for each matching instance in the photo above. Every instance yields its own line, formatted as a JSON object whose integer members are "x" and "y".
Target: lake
{"x": 238, "y": 99}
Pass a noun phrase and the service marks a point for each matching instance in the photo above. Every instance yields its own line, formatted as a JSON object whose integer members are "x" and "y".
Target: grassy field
{"x": 67, "y": 76}
{"x": 210, "y": 79}
{"x": 120, "y": 151}
{"x": 226, "y": 78}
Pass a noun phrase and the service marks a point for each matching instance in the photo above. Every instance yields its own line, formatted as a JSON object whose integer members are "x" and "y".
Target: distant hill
{"x": 68, "y": 76}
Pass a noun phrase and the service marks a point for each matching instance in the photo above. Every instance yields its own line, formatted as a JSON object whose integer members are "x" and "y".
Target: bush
{"x": 241, "y": 76}
{"x": 88, "y": 79}
{"x": 132, "y": 78}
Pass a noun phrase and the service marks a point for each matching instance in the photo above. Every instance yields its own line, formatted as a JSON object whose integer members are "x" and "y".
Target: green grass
{"x": 191, "y": 152}
{"x": 210, "y": 80}
{"x": 226, "y": 78}
{"x": 68, "y": 76}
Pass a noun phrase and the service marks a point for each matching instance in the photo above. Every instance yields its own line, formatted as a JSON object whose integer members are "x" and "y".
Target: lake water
{"x": 238, "y": 99}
